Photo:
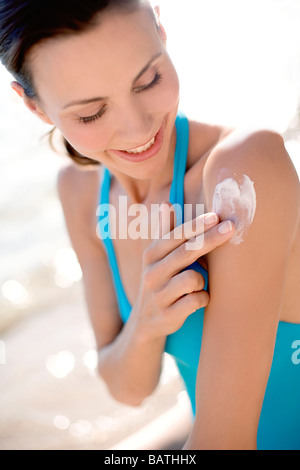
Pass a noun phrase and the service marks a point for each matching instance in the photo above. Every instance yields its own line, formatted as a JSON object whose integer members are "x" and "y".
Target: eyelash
{"x": 86, "y": 120}
{"x": 157, "y": 79}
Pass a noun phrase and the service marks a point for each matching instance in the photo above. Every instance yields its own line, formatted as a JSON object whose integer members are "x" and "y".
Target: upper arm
{"x": 77, "y": 191}
{"x": 246, "y": 282}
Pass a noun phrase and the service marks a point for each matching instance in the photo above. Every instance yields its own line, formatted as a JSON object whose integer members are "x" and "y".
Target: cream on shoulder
{"x": 236, "y": 201}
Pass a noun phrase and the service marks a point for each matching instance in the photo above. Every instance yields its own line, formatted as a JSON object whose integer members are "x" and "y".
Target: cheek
{"x": 86, "y": 138}
{"x": 169, "y": 91}
{"x": 172, "y": 93}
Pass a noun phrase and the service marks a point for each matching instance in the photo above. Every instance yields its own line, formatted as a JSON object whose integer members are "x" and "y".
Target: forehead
{"x": 117, "y": 46}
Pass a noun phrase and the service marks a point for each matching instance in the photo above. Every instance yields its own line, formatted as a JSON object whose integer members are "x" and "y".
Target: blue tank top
{"x": 279, "y": 425}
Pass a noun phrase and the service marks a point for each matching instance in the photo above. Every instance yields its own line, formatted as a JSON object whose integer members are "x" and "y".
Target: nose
{"x": 134, "y": 126}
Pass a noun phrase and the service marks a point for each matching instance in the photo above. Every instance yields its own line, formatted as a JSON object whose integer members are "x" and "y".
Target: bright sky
{"x": 238, "y": 60}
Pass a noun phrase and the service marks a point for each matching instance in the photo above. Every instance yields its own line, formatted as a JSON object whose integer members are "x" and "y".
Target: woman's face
{"x": 110, "y": 89}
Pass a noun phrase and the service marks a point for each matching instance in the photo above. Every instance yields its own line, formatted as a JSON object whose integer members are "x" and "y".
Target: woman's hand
{"x": 168, "y": 295}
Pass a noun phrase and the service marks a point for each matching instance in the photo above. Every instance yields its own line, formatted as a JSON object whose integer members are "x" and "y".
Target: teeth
{"x": 143, "y": 148}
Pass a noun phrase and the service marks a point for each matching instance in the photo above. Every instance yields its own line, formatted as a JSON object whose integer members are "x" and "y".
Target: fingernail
{"x": 225, "y": 227}
{"x": 210, "y": 218}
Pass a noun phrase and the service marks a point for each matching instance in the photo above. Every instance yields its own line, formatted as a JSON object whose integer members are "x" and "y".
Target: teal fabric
{"x": 279, "y": 426}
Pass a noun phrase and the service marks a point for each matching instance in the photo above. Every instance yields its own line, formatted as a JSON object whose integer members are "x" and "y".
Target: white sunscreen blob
{"x": 237, "y": 203}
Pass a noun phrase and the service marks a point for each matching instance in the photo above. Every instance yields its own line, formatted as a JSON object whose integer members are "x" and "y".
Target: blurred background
{"x": 239, "y": 63}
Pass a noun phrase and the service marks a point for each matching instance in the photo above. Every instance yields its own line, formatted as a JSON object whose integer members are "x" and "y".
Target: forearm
{"x": 131, "y": 365}
{"x": 224, "y": 440}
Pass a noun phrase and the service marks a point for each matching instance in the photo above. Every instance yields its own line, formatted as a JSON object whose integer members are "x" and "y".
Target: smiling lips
{"x": 143, "y": 148}
{"x": 144, "y": 152}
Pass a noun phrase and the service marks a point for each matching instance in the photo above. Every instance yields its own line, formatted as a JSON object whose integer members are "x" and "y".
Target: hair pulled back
{"x": 25, "y": 23}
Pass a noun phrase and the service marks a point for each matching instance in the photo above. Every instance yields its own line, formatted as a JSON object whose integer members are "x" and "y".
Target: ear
{"x": 30, "y": 103}
{"x": 161, "y": 29}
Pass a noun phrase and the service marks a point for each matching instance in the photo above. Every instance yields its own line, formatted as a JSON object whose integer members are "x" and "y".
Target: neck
{"x": 143, "y": 191}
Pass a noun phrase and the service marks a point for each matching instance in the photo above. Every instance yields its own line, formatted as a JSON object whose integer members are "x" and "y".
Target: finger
{"x": 183, "y": 256}
{"x": 181, "y": 284}
{"x": 161, "y": 247}
{"x": 184, "y": 307}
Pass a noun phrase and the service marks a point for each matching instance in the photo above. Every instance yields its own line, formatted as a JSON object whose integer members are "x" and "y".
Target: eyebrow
{"x": 100, "y": 98}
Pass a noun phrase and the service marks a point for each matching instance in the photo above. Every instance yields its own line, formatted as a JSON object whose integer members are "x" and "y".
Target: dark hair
{"x": 25, "y": 23}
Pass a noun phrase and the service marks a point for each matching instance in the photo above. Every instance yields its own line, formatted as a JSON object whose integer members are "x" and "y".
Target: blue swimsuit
{"x": 279, "y": 425}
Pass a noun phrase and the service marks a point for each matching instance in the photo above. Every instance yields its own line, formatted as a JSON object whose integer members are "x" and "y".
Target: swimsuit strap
{"x": 124, "y": 305}
{"x": 180, "y": 159}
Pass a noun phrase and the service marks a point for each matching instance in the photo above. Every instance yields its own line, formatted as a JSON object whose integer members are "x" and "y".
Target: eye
{"x": 157, "y": 79}
{"x": 95, "y": 117}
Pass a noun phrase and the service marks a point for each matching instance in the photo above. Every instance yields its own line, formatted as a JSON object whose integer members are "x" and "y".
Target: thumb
{"x": 167, "y": 218}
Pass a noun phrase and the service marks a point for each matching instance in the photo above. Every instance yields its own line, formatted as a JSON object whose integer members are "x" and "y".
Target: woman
{"x": 99, "y": 71}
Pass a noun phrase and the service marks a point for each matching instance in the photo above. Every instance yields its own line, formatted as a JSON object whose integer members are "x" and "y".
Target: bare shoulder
{"x": 79, "y": 195}
{"x": 78, "y": 190}
{"x": 260, "y": 155}
{"x": 253, "y": 149}
{"x": 73, "y": 181}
